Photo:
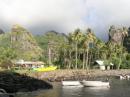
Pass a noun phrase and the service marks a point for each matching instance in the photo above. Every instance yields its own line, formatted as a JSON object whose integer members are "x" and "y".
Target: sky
{"x": 40, "y": 16}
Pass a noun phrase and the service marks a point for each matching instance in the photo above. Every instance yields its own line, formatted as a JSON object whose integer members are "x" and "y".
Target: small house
{"x": 29, "y": 64}
{"x": 100, "y": 64}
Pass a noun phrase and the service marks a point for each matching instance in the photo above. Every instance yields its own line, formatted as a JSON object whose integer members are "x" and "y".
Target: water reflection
{"x": 51, "y": 92}
{"x": 95, "y": 91}
{"x": 118, "y": 89}
{"x": 71, "y": 91}
{"x": 98, "y": 88}
{"x": 43, "y": 93}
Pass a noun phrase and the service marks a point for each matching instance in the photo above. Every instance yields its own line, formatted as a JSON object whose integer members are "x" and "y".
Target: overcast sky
{"x": 39, "y": 16}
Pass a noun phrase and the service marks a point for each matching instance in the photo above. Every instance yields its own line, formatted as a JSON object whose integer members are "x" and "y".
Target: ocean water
{"x": 118, "y": 88}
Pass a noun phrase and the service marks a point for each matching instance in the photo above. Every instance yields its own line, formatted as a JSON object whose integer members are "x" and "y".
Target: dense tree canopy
{"x": 78, "y": 49}
{"x": 18, "y": 44}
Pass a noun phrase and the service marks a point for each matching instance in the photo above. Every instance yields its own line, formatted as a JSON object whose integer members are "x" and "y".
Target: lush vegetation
{"x": 76, "y": 50}
{"x": 18, "y": 44}
{"x": 80, "y": 49}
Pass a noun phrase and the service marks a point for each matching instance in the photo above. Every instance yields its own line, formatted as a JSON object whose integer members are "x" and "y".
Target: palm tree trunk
{"x": 49, "y": 55}
{"x": 83, "y": 60}
{"x": 87, "y": 59}
{"x": 76, "y": 55}
{"x": 70, "y": 59}
{"x": 119, "y": 64}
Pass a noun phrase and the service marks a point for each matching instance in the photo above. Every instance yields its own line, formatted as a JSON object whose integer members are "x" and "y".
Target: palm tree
{"x": 99, "y": 45}
{"x": 76, "y": 37}
{"x": 121, "y": 54}
{"x": 124, "y": 33}
{"x": 89, "y": 41}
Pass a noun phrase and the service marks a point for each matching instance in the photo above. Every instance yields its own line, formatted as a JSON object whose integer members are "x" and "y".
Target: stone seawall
{"x": 59, "y": 75}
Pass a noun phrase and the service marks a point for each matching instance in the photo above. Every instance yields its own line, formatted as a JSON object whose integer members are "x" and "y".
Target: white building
{"x": 23, "y": 63}
{"x": 102, "y": 66}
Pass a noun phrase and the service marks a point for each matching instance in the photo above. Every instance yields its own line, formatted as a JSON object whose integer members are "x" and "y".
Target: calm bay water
{"x": 119, "y": 88}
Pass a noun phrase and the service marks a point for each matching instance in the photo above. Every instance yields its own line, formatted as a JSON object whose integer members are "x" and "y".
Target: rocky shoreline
{"x": 14, "y": 82}
{"x": 59, "y": 75}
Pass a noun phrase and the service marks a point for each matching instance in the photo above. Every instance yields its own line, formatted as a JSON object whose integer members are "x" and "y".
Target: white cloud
{"x": 103, "y": 13}
{"x": 32, "y": 13}
{"x": 112, "y": 11}
{"x": 64, "y": 15}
